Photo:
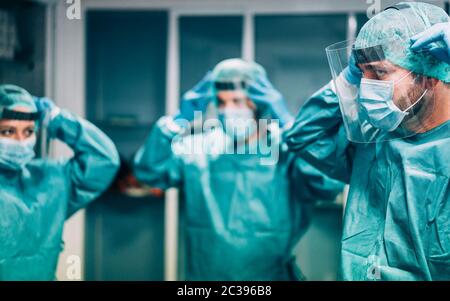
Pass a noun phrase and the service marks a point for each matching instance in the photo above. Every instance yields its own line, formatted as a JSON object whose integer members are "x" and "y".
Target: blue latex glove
{"x": 44, "y": 104}
{"x": 47, "y": 108}
{"x": 437, "y": 33}
{"x": 196, "y": 99}
{"x": 352, "y": 73}
{"x": 268, "y": 98}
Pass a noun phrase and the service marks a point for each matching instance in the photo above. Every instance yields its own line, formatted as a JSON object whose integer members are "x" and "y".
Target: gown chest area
{"x": 33, "y": 206}
{"x": 225, "y": 173}
{"x": 400, "y": 182}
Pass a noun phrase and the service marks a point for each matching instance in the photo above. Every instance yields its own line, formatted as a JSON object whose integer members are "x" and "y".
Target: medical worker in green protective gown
{"x": 383, "y": 127}
{"x": 38, "y": 195}
{"x": 245, "y": 210}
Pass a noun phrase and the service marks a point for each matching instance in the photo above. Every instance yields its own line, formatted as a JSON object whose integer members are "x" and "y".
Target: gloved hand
{"x": 47, "y": 108}
{"x": 267, "y": 97}
{"x": 196, "y": 99}
{"x": 437, "y": 33}
{"x": 352, "y": 73}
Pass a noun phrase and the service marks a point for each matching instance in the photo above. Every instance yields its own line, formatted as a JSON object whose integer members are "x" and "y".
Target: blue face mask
{"x": 375, "y": 98}
{"x": 238, "y": 123}
{"x": 14, "y": 154}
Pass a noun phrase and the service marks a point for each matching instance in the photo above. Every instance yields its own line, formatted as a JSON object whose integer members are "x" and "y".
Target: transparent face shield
{"x": 390, "y": 102}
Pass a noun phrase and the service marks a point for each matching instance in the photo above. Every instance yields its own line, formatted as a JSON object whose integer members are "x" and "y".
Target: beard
{"x": 421, "y": 105}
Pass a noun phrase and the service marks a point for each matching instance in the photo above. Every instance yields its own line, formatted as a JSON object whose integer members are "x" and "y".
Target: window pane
{"x": 361, "y": 19}
{"x": 126, "y": 65}
{"x": 126, "y": 85}
{"x": 292, "y": 49}
{"x": 205, "y": 41}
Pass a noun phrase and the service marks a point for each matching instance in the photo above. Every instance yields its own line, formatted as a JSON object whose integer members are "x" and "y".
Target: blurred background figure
{"x": 122, "y": 66}
{"x": 37, "y": 196}
{"x": 244, "y": 213}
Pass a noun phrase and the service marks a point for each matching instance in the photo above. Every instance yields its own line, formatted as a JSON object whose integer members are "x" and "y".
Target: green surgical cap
{"x": 233, "y": 70}
{"x": 236, "y": 70}
{"x": 393, "y": 28}
{"x": 12, "y": 97}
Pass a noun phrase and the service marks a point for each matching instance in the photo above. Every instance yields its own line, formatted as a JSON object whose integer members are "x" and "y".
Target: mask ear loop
{"x": 416, "y": 102}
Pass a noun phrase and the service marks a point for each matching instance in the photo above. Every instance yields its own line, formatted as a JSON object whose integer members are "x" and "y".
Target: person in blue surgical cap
{"x": 38, "y": 195}
{"x": 245, "y": 211}
{"x": 383, "y": 127}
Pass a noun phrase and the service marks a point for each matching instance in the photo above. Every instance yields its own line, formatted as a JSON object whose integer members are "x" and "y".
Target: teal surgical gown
{"x": 36, "y": 201}
{"x": 243, "y": 216}
{"x": 397, "y": 216}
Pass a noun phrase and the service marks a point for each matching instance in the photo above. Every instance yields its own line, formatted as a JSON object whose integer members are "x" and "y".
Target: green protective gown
{"x": 242, "y": 217}
{"x": 36, "y": 201}
{"x": 397, "y": 217}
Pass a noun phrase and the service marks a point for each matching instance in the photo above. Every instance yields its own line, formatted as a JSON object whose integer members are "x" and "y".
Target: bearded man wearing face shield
{"x": 382, "y": 125}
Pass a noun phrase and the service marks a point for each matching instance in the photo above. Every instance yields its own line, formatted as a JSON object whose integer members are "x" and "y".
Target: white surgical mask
{"x": 14, "y": 154}
{"x": 238, "y": 123}
{"x": 376, "y": 99}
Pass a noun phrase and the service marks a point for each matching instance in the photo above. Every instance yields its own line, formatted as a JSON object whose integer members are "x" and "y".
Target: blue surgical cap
{"x": 393, "y": 28}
